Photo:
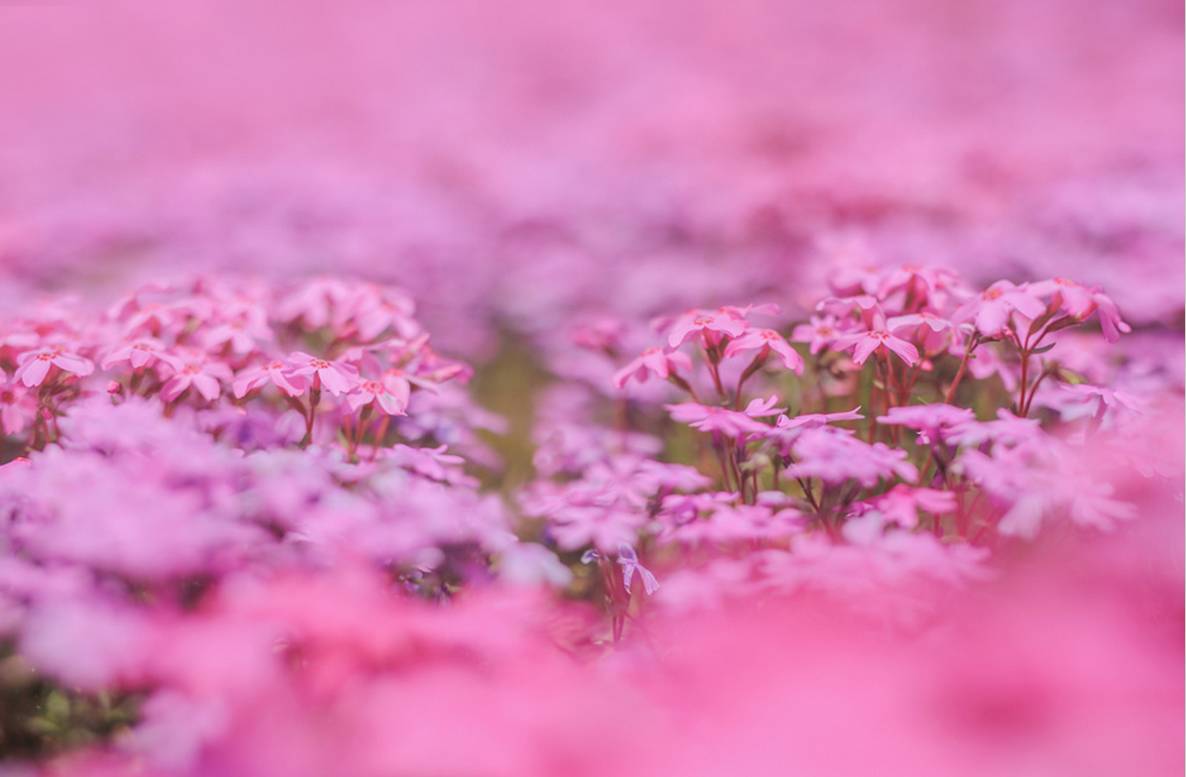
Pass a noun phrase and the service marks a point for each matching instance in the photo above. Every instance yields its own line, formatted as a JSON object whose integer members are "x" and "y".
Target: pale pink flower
{"x": 241, "y": 333}
{"x": 275, "y": 372}
{"x": 713, "y": 327}
{"x": 205, "y": 375}
{"x": 930, "y": 330}
{"x": 34, "y": 366}
{"x": 863, "y": 344}
{"x": 337, "y": 377}
{"x": 902, "y": 504}
{"x": 811, "y": 420}
{"x": 653, "y": 361}
{"x": 391, "y": 396}
{"x": 764, "y": 341}
{"x": 707, "y": 418}
{"x": 820, "y": 332}
{"x": 928, "y": 420}
{"x": 992, "y": 309}
{"x": 18, "y": 407}
{"x": 1079, "y": 302}
{"x": 380, "y": 309}
{"x": 138, "y": 354}
{"x": 835, "y": 455}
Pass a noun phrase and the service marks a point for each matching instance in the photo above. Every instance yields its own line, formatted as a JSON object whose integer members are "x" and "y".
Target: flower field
{"x": 569, "y": 389}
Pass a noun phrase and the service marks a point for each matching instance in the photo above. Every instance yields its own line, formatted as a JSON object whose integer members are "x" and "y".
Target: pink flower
{"x": 865, "y": 343}
{"x": 242, "y": 333}
{"x": 992, "y": 309}
{"x": 139, "y": 354}
{"x": 836, "y": 455}
{"x": 275, "y": 372}
{"x": 902, "y": 504}
{"x": 337, "y": 378}
{"x": 17, "y": 408}
{"x": 384, "y": 309}
{"x": 812, "y": 420}
{"x": 713, "y": 327}
{"x": 204, "y": 375}
{"x": 928, "y": 420}
{"x": 653, "y": 361}
{"x": 34, "y": 366}
{"x": 392, "y": 399}
{"x": 764, "y": 341}
{"x": 820, "y": 332}
{"x": 1079, "y": 302}
{"x": 788, "y": 429}
{"x": 706, "y": 418}
{"x": 931, "y": 330}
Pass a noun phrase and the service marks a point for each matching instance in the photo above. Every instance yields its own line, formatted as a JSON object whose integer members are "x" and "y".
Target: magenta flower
{"x": 337, "y": 377}
{"x": 275, "y": 372}
{"x": 863, "y": 344}
{"x": 206, "y": 376}
{"x": 764, "y": 341}
{"x": 34, "y": 366}
{"x": 653, "y": 361}
{"x": 392, "y": 397}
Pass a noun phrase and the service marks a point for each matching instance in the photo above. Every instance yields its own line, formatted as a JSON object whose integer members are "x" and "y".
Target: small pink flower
{"x": 385, "y": 309}
{"x": 204, "y": 375}
{"x": 1079, "y": 302}
{"x": 241, "y": 334}
{"x": 34, "y": 366}
{"x": 820, "y": 332}
{"x": 992, "y": 309}
{"x": 713, "y": 327}
{"x": 139, "y": 354}
{"x": 392, "y": 399}
{"x": 902, "y": 504}
{"x": 17, "y": 408}
{"x": 707, "y": 418}
{"x": 275, "y": 372}
{"x": 836, "y": 455}
{"x": 865, "y": 343}
{"x": 764, "y": 341}
{"x": 337, "y": 378}
{"x": 928, "y": 420}
{"x": 759, "y": 408}
{"x": 653, "y": 361}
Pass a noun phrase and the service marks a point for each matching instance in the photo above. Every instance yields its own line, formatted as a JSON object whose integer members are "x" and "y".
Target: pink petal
{"x": 903, "y": 349}
{"x": 207, "y": 386}
{"x": 33, "y": 372}
{"x": 390, "y": 404}
{"x": 865, "y": 346}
